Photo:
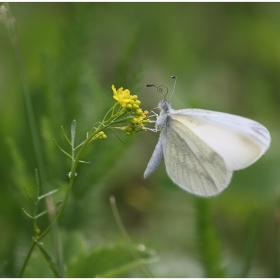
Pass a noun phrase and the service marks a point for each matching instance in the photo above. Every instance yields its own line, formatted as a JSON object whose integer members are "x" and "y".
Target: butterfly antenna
{"x": 175, "y": 79}
{"x": 160, "y": 89}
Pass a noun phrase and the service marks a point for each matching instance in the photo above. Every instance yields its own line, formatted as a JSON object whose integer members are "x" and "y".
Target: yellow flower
{"x": 121, "y": 96}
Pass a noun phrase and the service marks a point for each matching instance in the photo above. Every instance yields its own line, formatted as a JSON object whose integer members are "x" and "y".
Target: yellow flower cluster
{"x": 140, "y": 117}
{"x": 131, "y": 104}
{"x": 126, "y": 100}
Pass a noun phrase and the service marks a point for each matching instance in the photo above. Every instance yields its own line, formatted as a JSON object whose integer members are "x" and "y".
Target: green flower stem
{"x": 27, "y": 258}
{"x": 72, "y": 178}
{"x": 112, "y": 109}
{"x": 102, "y": 126}
{"x": 112, "y": 120}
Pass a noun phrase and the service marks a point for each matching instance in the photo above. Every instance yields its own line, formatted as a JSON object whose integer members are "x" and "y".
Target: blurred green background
{"x": 226, "y": 57}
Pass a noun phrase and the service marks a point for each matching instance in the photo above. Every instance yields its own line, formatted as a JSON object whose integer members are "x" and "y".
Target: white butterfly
{"x": 202, "y": 148}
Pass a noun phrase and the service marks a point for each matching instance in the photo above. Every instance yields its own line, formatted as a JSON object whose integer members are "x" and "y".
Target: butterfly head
{"x": 164, "y": 105}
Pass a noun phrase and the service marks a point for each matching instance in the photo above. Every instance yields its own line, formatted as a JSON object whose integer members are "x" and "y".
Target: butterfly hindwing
{"x": 190, "y": 163}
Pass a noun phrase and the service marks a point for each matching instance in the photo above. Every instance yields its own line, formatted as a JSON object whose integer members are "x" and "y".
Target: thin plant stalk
{"x": 126, "y": 238}
{"x": 28, "y": 255}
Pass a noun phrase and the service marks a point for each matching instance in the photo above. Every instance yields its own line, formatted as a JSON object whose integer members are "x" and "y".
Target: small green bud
{"x": 138, "y": 112}
{"x": 128, "y": 107}
{"x": 135, "y": 106}
{"x": 138, "y": 102}
{"x": 132, "y": 125}
{"x": 102, "y": 135}
{"x": 134, "y": 97}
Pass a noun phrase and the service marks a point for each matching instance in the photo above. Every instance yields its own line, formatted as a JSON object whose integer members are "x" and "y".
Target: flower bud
{"x": 128, "y": 129}
{"x": 138, "y": 112}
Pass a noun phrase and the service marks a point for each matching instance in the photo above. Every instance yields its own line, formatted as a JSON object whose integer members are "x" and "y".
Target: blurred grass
{"x": 208, "y": 240}
{"x": 226, "y": 57}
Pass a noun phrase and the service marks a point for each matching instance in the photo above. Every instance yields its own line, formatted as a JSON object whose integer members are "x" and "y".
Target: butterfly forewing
{"x": 239, "y": 141}
{"x": 190, "y": 162}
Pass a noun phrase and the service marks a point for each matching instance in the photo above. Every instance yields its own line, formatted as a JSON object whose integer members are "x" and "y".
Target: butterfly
{"x": 202, "y": 148}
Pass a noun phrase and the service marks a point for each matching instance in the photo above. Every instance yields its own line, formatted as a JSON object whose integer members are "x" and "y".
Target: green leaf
{"x": 113, "y": 261}
{"x": 61, "y": 149}
{"x": 80, "y": 144}
{"x": 27, "y": 214}
{"x": 66, "y": 137}
{"x": 73, "y": 133}
{"x": 28, "y": 195}
{"x": 117, "y": 135}
{"x": 47, "y": 194}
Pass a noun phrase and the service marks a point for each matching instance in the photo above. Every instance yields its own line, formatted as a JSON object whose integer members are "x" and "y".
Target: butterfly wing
{"x": 190, "y": 162}
{"x": 239, "y": 141}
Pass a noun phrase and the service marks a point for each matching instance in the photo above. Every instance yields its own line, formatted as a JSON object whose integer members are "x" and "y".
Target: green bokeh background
{"x": 226, "y": 57}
